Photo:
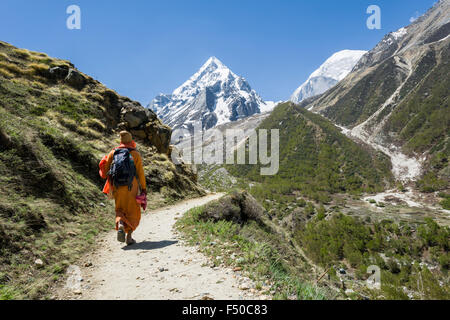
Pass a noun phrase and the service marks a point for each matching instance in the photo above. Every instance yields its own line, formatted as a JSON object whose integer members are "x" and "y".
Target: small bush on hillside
{"x": 38, "y": 68}
{"x": 22, "y": 53}
{"x": 431, "y": 183}
{"x": 12, "y": 68}
{"x": 95, "y": 124}
{"x": 5, "y": 73}
{"x": 446, "y": 202}
{"x": 38, "y": 110}
{"x": 68, "y": 123}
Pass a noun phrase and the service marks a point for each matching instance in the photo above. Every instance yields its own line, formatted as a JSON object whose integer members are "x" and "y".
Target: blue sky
{"x": 142, "y": 47}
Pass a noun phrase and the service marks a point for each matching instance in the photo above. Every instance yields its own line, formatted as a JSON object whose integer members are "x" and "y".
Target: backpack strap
{"x": 134, "y": 163}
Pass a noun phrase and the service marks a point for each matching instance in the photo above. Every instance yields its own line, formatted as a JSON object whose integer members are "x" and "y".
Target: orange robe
{"x": 128, "y": 210}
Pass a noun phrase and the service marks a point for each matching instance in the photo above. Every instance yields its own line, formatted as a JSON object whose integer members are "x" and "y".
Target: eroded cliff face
{"x": 396, "y": 99}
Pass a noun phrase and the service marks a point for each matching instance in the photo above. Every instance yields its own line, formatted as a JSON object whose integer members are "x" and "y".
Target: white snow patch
{"x": 400, "y": 33}
{"x": 333, "y": 70}
{"x": 268, "y": 106}
{"x": 222, "y": 111}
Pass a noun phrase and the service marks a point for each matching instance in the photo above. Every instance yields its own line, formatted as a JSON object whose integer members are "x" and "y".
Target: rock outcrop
{"x": 238, "y": 207}
{"x": 121, "y": 113}
{"x": 144, "y": 124}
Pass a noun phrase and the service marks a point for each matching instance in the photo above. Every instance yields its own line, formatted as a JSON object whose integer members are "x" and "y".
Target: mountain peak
{"x": 211, "y": 65}
{"x": 339, "y": 64}
{"x": 213, "y": 95}
{"x": 333, "y": 70}
{"x": 214, "y": 61}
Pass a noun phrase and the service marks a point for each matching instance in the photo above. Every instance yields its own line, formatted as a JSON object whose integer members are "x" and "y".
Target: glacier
{"x": 333, "y": 70}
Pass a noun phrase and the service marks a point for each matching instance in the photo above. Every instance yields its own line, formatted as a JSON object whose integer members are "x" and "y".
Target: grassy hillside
{"x": 413, "y": 258}
{"x": 236, "y": 232}
{"x": 53, "y": 132}
{"x": 316, "y": 159}
{"x": 286, "y": 255}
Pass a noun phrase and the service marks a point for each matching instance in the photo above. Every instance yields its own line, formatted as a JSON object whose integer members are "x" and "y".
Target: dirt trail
{"x": 157, "y": 267}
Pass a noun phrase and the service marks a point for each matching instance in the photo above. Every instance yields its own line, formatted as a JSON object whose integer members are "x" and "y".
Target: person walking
{"x": 124, "y": 172}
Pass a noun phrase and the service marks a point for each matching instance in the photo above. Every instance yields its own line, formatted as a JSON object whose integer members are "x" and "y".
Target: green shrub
{"x": 301, "y": 202}
{"x": 329, "y": 241}
{"x": 68, "y": 123}
{"x": 431, "y": 183}
{"x": 434, "y": 235}
{"x": 321, "y": 213}
{"x": 444, "y": 260}
{"x": 446, "y": 202}
{"x": 393, "y": 266}
{"x": 38, "y": 110}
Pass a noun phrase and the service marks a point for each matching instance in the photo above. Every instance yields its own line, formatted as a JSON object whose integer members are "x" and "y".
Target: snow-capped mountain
{"x": 336, "y": 68}
{"x": 214, "y": 95}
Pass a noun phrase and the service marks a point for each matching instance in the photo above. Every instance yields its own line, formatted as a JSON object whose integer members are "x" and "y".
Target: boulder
{"x": 39, "y": 262}
{"x": 151, "y": 115}
{"x": 123, "y": 126}
{"x": 144, "y": 124}
{"x": 133, "y": 114}
{"x": 238, "y": 207}
{"x": 159, "y": 136}
{"x": 59, "y": 73}
{"x": 75, "y": 79}
{"x": 139, "y": 134}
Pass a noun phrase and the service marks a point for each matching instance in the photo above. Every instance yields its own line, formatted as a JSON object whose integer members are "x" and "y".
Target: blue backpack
{"x": 123, "y": 170}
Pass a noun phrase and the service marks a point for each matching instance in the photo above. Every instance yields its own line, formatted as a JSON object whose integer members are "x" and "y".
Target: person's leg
{"x": 121, "y": 232}
{"x": 130, "y": 239}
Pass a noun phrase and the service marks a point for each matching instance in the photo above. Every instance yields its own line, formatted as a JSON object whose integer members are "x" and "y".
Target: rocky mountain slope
{"x": 214, "y": 95}
{"x": 396, "y": 99}
{"x": 316, "y": 158}
{"x": 333, "y": 70}
{"x": 56, "y": 124}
